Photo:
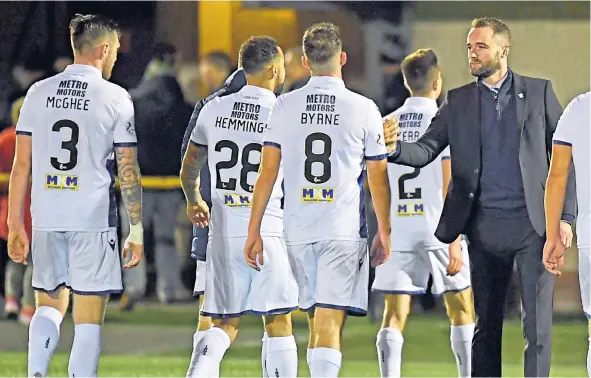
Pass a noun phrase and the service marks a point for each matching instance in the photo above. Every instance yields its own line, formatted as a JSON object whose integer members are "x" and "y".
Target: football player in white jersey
{"x": 417, "y": 202}
{"x": 71, "y": 128}
{"x": 229, "y": 134}
{"x": 324, "y": 135}
{"x": 571, "y": 141}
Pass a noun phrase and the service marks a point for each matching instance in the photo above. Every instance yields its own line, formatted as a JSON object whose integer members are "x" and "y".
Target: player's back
{"x": 74, "y": 118}
{"x": 417, "y": 198}
{"x": 574, "y": 129}
{"x": 232, "y": 127}
{"x": 322, "y": 130}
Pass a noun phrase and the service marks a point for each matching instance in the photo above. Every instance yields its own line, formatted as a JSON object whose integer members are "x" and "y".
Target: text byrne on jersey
{"x": 321, "y": 105}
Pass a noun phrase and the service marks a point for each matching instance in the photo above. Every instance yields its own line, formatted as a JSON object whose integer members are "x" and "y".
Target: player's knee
{"x": 89, "y": 309}
{"x": 396, "y": 310}
{"x": 460, "y": 307}
{"x": 228, "y": 325}
{"x": 204, "y": 323}
{"x": 278, "y": 325}
{"x": 327, "y": 327}
{"x": 59, "y": 300}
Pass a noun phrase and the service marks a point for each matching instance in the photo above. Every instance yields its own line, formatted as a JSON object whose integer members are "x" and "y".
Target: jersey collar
{"x": 326, "y": 80}
{"x": 83, "y": 68}
{"x": 421, "y": 101}
{"x": 254, "y": 90}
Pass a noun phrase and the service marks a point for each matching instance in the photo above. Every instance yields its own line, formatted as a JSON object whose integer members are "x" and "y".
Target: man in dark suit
{"x": 499, "y": 129}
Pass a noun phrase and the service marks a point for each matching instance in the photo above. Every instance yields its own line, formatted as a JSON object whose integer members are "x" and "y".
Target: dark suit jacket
{"x": 457, "y": 124}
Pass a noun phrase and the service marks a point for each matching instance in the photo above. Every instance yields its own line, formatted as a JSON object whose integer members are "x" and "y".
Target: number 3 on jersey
{"x": 68, "y": 145}
{"x": 247, "y": 166}
{"x": 322, "y": 158}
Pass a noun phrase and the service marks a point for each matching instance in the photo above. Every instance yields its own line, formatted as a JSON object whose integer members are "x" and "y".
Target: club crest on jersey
{"x": 237, "y": 200}
{"x": 61, "y": 182}
{"x": 317, "y": 195}
{"x": 410, "y": 209}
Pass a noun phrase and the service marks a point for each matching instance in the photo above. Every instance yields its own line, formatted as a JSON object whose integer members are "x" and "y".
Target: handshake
{"x": 391, "y": 133}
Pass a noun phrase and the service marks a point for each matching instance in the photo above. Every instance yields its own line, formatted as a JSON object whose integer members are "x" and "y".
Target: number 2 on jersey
{"x": 322, "y": 158}
{"x": 404, "y": 195}
{"x": 68, "y": 145}
{"x": 247, "y": 166}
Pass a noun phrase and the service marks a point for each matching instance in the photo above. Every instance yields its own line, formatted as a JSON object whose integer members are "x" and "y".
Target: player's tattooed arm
{"x": 130, "y": 182}
{"x": 194, "y": 160}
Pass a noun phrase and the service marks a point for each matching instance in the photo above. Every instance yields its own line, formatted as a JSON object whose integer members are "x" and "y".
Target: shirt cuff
{"x": 394, "y": 155}
{"x": 568, "y": 218}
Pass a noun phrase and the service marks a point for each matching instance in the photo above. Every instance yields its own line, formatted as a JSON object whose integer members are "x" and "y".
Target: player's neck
{"x": 261, "y": 83}
{"x": 88, "y": 62}
{"x": 430, "y": 96}
{"x": 496, "y": 77}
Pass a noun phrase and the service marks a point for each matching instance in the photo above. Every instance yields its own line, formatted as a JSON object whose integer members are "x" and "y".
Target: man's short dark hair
{"x": 165, "y": 52}
{"x": 497, "y": 26}
{"x": 417, "y": 69}
{"x": 219, "y": 59}
{"x": 321, "y": 42}
{"x": 85, "y": 30}
{"x": 256, "y": 53}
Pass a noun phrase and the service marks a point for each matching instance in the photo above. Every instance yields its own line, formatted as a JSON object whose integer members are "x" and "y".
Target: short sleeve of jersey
{"x": 198, "y": 135}
{"x": 26, "y": 119}
{"x": 375, "y": 146}
{"x": 445, "y": 155}
{"x": 124, "y": 132}
{"x": 566, "y": 128}
{"x": 273, "y": 135}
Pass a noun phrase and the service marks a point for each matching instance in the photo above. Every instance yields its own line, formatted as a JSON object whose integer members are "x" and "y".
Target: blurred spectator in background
{"x": 395, "y": 92}
{"x": 296, "y": 76}
{"x": 161, "y": 117}
{"x": 61, "y": 63}
{"x": 214, "y": 69}
{"x": 190, "y": 81}
{"x": 20, "y": 298}
{"x": 36, "y": 66}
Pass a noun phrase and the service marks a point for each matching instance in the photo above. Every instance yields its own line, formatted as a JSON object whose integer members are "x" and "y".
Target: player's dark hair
{"x": 321, "y": 42}
{"x": 85, "y": 30}
{"x": 256, "y": 53}
{"x": 497, "y": 26}
{"x": 165, "y": 52}
{"x": 219, "y": 59}
{"x": 418, "y": 69}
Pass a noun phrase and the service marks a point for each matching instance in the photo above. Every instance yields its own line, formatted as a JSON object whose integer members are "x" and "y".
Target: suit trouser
{"x": 160, "y": 210}
{"x": 497, "y": 240}
{"x": 18, "y": 282}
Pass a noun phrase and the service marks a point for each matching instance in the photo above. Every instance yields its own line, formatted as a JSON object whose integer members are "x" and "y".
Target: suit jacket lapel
{"x": 520, "y": 100}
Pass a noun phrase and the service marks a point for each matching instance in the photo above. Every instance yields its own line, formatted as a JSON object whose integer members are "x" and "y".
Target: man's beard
{"x": 488, "y": 68}
{"x": 278, "y": 89}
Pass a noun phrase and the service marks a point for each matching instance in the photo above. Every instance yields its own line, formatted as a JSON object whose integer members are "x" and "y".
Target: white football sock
{"x": 86, "y": 350}
{"x": 282, "y": 357}
{"x": 309, "y": 353}
{"x": 326, "y": 362}
{"x": 197, "y": 337}
{"x": 461, "y": 345}
{"x": 264, "y": 349}
{"x": 389, "y": 343}
{"x": 212, "y": 348}
{"x": 44, "y": 334}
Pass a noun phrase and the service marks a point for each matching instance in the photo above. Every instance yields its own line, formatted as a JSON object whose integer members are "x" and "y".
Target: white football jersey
{"x": 75, "y": 118}
{"x": 417, "y": 194}
{"x": 325, "y": 132}
{"x": 574, "y": 130}
{"x": 232, "y": 128}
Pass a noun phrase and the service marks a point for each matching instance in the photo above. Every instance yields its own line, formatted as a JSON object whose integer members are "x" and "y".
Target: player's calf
{"x": 281, "y": 358}
{"x": 204, "y": 324}
{"x": 88, "y": 314}
{"x": 327, "y": 356}
{"x": 44, "y": 330}
{"x": 389, "y": 340}
{"x": 460, "y": 310}
{"x": 213, "y": 346}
